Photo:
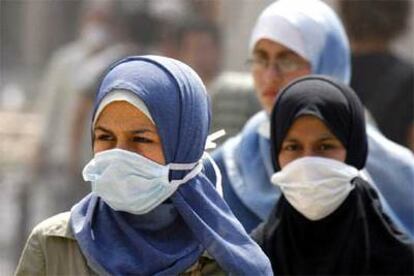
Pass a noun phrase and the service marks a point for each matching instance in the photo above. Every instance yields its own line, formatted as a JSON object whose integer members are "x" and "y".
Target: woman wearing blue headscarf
{"x": 293, "y": 38}
{"x": 151, "y": 210}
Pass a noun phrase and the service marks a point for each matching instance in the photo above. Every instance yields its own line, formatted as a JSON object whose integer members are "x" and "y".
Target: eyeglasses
{"x": 283, "y": 65}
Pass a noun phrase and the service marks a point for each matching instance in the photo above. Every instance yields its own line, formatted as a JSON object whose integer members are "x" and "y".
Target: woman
{"x": 151, "y": 210}
{"x": 291, "y": 39}
{"x": 329, "y": 220}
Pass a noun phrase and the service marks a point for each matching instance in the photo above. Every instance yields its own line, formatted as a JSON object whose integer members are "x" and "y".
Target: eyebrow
{"x": 325, "y": 137}
{"x": 330, "y": 137}
{"x": 286, "y": 52}
{"x": 137, "y": 131}
{"x": 260, "y": 52}
{"x": 290, "y": 140}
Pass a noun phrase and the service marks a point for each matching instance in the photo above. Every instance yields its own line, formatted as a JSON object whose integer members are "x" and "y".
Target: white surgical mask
{"x": 315, "y": 186}
{"x": 129, "y": 182}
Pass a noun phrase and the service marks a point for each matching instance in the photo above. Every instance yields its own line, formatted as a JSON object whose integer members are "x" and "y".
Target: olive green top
{"x": 53, "y": 250}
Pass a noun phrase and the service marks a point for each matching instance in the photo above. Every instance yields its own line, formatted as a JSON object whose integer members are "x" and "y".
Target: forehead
{"x": 121, "y": 114}
{"x": 307, "y": 126}
{"x": 271, "y": 48}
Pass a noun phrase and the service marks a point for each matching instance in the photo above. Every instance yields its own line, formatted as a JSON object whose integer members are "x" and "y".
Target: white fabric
{"x": 129, "y": 182}
{"x": 219, "y": 185}
{"x": 211, "y": 144}
{"x": 315, "y": 186}
{"x": 264, "y": 129}
{"x": 303, "y": 26}
{"x": 273, "y": 27}
{"x": 122, "y": 95}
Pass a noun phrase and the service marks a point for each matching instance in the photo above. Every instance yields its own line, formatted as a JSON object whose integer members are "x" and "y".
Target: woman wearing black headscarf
{"x": 329, "y": 220}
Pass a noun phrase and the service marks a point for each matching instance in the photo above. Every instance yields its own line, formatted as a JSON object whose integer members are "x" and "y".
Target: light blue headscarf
{"x": 172, "y": 237}
{"x": 311, "y": 29}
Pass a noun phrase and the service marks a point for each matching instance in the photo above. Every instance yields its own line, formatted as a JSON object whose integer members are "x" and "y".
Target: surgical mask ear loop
{"x": 210, "y": 144}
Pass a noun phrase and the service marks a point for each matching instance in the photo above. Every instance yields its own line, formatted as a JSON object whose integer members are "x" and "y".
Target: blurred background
{"x": 52, "y": 53}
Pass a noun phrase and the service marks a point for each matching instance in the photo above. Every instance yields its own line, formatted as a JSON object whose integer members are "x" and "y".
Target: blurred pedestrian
{"x": 383, "y": 81}
{"x": 199, "y": 46}
{"x": 57, "y": 101}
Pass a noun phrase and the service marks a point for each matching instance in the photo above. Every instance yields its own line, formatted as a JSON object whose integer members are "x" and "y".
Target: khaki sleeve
{"x": 210, "y": 267}
{"x": 32, "y": 260}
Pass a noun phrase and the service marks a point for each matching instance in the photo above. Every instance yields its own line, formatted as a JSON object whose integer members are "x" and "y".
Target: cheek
{"x": 257, "y": 80}
{"x": 153, "y": 152}
{"x": 292, "y": 76}
{"x": 340, "y": 155}
{"x": 99, "y": 146}
{"x": 285, "y": 158}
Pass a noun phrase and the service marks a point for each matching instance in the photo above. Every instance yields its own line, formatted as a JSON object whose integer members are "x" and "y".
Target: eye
{"x": 262, "y": 61}
{"x": 140, "y": 139}
{"x": 290, "y": 64}
{"x": 104, "y": 137}
{"x": 290, "y": 147}
{"x": 258, "y": 62}
{"x": 326, "y": 146}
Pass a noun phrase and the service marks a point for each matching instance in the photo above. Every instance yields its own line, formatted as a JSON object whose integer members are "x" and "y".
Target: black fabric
{"x": 385, "y": 85}
{"x": 357, "y": 239}
{"x": 331, "y": 101}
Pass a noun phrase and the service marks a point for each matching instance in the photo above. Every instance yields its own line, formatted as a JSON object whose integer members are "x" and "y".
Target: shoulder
{"x": 205, "y": 265}
{"x": 45, "y": 246}
{"x": 382, "y": 147}
{"x": 255, "y": 121}
{"x": 57, "y": 225}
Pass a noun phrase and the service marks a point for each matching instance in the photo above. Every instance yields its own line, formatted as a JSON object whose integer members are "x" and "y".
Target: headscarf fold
{"x": 170, "y": 238}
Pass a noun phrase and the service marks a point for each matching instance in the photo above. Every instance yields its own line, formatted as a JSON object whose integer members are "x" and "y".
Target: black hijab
{"x": 334, "y": 103}
{"x": 357, "y": 238}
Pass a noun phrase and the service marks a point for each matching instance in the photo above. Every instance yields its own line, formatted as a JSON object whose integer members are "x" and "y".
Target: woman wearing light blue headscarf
{"x": 144, "y": 217}
{"x": 311, "y": 31}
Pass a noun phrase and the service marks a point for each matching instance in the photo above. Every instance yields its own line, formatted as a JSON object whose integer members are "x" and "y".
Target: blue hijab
{"x": 320, "y": 39}
{"x": 169, "y": 239}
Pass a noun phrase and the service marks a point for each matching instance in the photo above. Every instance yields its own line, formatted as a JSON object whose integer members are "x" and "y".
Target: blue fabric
{"x": 391, "y": 166}
{"x": 240, "y": 210}
{"x": 142, "y": 246}
{"x": 250, "y": 175}
{"x": 173, "y": 236}
{"x": 243, "y": 160}
{"x": 246, "y": 166}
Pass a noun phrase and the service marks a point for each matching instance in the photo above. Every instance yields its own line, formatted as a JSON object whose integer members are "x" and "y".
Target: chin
{"x": 267, "y": 105}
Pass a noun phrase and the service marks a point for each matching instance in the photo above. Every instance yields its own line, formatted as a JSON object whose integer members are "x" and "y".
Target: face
{"x": 274, "y": 66}
{"x": 309, "y": 136}
{"x": 122, "y": 126}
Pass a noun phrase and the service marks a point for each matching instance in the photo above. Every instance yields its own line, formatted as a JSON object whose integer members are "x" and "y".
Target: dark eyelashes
{"x": 106, "y": 137}
{"x": 142, "y": 140}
